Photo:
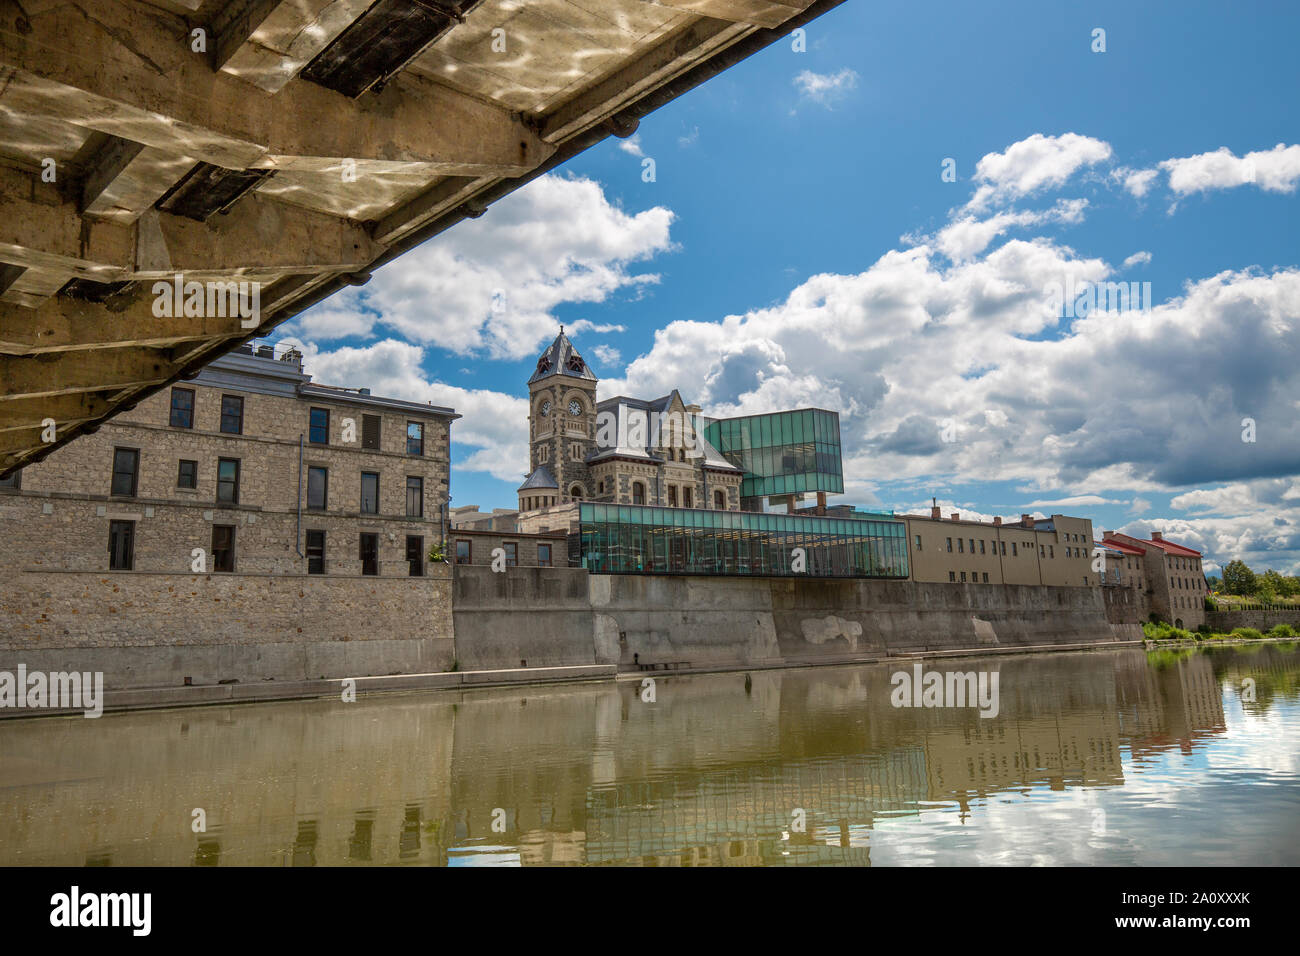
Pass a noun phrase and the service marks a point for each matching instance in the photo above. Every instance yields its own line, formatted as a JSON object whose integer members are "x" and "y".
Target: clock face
{"x": 575, "y": 408}
{"x": 546, "y": 409}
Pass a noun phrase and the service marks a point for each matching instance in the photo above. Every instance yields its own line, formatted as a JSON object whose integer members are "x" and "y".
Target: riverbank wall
{"x": 162, "y": 640}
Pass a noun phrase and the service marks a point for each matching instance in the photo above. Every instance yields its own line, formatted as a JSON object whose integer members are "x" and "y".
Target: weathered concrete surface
{"x": 704, "y": 623}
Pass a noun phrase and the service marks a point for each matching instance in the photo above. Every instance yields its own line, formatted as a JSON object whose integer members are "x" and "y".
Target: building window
{"x": 1051, "y": 551}
{"x": 961, "y": 548}
{"x": 1013, "y": 549}
{"x": 232, "y": 414}
{"x": 414, "y": 438}
{"x": 187, "y": 474}
{"x": 318, "y": 485}
{"x": 182, "y": 408}
{"x": 318, "y": 431}
{"x": 1003, "y": 548}
{"x": 986, "y": 577}
{"x": 369, "y": 493}
{"x": 950, "y": 545}
{"x": 414, "y": 497}
{"x": 369, "y": 553}
{"x": 228, "y": 481}
{"x": 981, "y": 545}
{"x": 370, "y": 431}
{"x": 121, "y": 545}
{"x": 543, "y": 555}
{"x": 963, "y": 577}
{"x": 972, "y": 545}
{"x": 672, "y": 496}
{"x": 952, "y": 576}
{"x": 576, "y": 492}
{"x": 686, "y": 498}
{"x": 126, "y": 471}
{"x": 464, "y": 551}
{"x": 223, "y": 547}
{"x": 315, "y": 552}
{"x": 719, "y": 500}
{"x": 1042, "y": 550}
{"x": 512, "y": 554}
{"x": 415, "y": 555}
{"x": 14, "y": 481}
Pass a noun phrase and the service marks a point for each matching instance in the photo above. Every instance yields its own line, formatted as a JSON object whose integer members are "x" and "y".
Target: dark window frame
{"x": 419, "y": 499}
{"x": 361, "y": 505}
{"x": 415, "y": 564}
{"x": 239, "y": 421}
{"x": 311, "y": 426}
{"x": 361, "y": 552}
{"x": 325, "y": 488}
{"x": 318, "y": 559}
{"x": 229, "y": 551}
{"x": 547, "y": 561}
{"x": 234, "y": 500}
{"x": 194, "y": 473}
{"x": 469, "y": 551}
{"x": 135, "y": 473}
{"x": 419, "y": 446}
{"x": 366, "y": 440}
{"x": 171, "y": 416}
{"x": 114, "y": 526}
{"x": 511, "y": 548}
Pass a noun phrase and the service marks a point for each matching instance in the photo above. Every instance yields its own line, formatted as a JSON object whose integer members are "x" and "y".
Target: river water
{"x": 1114, "y": 757}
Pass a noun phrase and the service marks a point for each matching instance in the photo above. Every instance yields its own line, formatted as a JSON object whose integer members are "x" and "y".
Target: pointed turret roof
{"x": 540, "y": 478}
{"x": 561, "y": 358}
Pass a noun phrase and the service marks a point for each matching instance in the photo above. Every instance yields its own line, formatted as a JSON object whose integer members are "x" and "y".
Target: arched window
{"x": 576, "y": 492}
{"x": 638, "y": 493}
{"x": 720, "y": 500}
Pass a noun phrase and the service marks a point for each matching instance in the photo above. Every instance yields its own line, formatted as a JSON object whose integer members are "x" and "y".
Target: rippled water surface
{"x": 1107, "y": 757}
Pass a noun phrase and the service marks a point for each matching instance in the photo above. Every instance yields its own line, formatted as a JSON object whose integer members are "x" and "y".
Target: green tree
{"x": 1239, "y": 579}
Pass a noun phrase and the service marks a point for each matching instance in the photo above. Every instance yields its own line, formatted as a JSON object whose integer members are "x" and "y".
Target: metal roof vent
{"x": 381, "y": 42}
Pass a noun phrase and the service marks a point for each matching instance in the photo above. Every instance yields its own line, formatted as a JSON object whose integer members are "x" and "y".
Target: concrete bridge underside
{"x": 296, "y": 143}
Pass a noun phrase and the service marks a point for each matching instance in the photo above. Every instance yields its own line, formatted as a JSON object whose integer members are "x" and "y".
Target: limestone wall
{"x": 147, "y": 629}
{"x": 1223, "y": 621}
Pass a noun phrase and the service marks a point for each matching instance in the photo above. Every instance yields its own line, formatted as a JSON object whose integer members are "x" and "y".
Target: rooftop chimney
{"x": 1157, "y": 536}
{"x": 956, "y": 516}
{"x": 997, "y": 521}
{"x": 1108, "y": 534}
{"x": 936, "y": 514}
{"x": 1027, "y": 520}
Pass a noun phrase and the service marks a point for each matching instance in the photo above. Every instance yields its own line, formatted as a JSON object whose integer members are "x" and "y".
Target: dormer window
{"x": 574, "y": 364}
{"x": 544, "y": 363}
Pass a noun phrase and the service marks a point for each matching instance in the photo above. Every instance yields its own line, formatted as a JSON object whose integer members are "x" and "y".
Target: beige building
{"x": 518, "y": 550}
{"x": 1175, "y": 581}
{"x": 251, "y": 463}
{"x": 1052, "y": 551}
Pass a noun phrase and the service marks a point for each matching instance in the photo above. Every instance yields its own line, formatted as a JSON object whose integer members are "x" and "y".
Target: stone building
{"x": 620, "y": 450}
{"x": 1175, "y": 581}
{"x": 262, "y": 469}
{"x": 1053, "y": 551}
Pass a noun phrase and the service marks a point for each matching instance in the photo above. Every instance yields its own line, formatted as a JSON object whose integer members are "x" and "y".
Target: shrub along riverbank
{"x": 1160, "y": 632}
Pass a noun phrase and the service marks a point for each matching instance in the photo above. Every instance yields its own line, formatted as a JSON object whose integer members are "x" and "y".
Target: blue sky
{"x": 798, "y": 245}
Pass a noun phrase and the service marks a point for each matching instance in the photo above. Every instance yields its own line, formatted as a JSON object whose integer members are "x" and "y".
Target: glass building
{"x": 782, "y": 453}
{"x": 636, "y": 539}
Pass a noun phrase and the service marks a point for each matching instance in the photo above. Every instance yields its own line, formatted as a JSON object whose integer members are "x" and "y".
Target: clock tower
{"x": 561, "y": 427}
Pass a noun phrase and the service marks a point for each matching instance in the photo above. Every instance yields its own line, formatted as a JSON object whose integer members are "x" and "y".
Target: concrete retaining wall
{"x": 734, "y": 622}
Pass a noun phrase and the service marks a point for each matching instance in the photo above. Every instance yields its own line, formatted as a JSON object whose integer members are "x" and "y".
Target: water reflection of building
{"x": 1167, "y": 701}
{"x": 709, "y": 774}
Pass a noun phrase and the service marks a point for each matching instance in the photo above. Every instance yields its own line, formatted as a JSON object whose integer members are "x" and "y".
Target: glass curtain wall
{"x": 630, "y": 539}
{"x": 783, "y": 452}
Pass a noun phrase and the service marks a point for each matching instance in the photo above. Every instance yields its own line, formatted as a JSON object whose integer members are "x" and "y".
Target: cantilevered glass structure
{"x": 782, "y": 453}
{"x": 636, "y": 539}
